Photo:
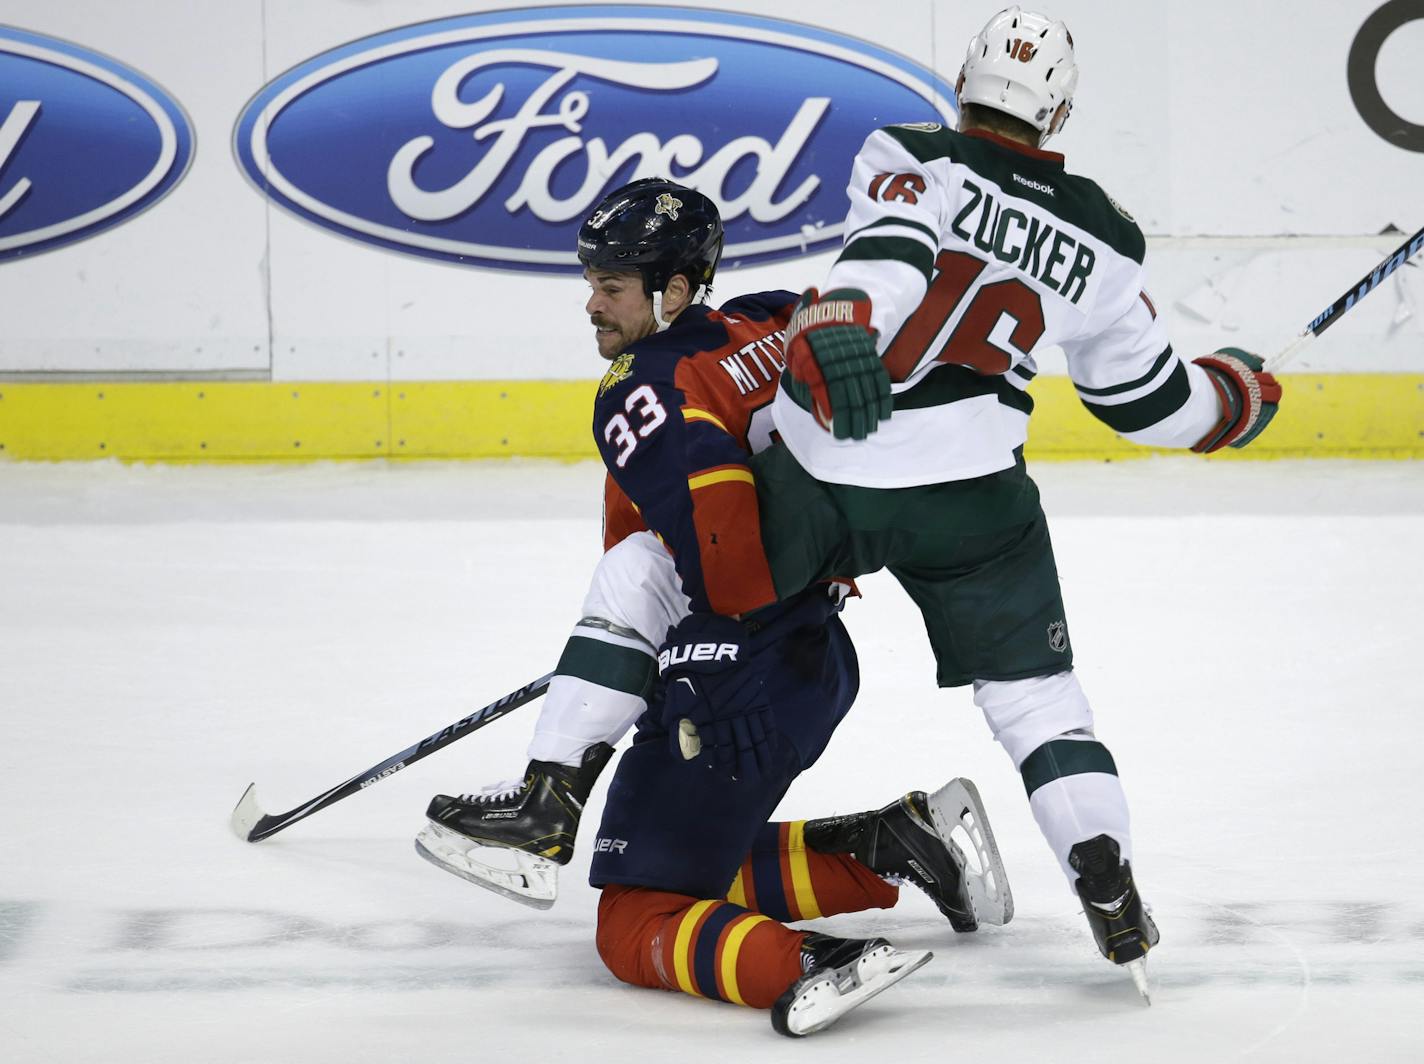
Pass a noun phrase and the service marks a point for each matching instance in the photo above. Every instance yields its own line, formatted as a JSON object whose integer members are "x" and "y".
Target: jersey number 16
{"x": 972, "y": 343}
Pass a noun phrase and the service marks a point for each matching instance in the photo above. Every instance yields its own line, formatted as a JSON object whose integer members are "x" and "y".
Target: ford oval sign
{"x": 486, "y": 139}
{"x": 85, "y": 143}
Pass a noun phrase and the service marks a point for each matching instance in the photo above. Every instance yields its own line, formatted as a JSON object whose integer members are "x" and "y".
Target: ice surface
{"x": 1248, "y": 634}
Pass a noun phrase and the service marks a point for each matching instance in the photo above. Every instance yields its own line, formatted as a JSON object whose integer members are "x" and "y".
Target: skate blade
{"x": 823, "y": 1002}
{"x": 531, "y": 881}
{"x": 1138, "y": 970}
{"x": 958, "y": 813}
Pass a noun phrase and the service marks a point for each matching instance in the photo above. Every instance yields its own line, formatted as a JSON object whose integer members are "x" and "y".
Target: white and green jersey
{"x": 977, "y": 253}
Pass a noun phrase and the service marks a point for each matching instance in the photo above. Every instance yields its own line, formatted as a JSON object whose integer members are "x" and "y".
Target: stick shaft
{"x": 1367, "y": 284}
{"x": 1352, "y": 295}
{"x": 266, "y": 826}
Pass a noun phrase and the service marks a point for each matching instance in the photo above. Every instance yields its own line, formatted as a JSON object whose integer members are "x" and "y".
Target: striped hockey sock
{"x": 705, "y": 948}
{"x": 785, "y": 880}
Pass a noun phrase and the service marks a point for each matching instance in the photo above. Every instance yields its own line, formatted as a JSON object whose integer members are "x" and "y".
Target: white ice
{"x": 1250, "y": 636}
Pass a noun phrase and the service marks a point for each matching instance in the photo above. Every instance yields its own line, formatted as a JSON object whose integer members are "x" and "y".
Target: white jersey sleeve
{"x": 1128, "y": 377}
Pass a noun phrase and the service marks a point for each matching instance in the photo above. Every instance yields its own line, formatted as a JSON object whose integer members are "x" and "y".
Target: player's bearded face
{"x": 620, "y": 311}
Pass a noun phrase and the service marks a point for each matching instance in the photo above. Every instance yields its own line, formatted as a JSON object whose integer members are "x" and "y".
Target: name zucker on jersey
{"x": 1024, "y": 242}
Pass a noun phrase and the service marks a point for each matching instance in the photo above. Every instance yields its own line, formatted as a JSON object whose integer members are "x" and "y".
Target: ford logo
{"x": 85, "y": 143}
{"x": 486, "y": 139}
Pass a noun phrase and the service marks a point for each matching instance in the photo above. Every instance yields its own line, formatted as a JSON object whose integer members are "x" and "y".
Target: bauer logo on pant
{"x": 681, "y": 655}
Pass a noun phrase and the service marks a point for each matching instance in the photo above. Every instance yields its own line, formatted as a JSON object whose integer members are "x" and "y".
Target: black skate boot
{"x": 841, "y": 973}
{"x": 1123, "y": 930}
{"x": 511, "y": 837}
{"x": 910, "y": 839}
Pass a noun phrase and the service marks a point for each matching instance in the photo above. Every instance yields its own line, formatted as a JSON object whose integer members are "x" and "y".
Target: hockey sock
{"x": 595, "y": 696}
{"x": 705, "y": 948}
{"x": 1075, "y": 795}
{"x": 786, "y": 881}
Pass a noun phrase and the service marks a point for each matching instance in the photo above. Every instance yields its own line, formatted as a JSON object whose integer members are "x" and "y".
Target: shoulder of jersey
{"x": 1106, "y": 218}
{"x": 759, "y": 306}
{"x": 640, "y": 364}
{"x": 1076, "y": 199}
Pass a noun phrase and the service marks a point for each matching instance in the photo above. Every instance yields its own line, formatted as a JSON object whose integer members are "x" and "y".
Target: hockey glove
{"x": 715, "y": 707}
{"x": 1249, "y": 397}
{"x": 831, "y": 363}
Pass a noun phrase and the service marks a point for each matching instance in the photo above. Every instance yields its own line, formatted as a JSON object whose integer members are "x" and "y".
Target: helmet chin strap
{"x": 703, "y": 291}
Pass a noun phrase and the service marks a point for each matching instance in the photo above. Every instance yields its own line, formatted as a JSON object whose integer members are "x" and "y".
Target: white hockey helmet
{"x": 1022, "y": 63}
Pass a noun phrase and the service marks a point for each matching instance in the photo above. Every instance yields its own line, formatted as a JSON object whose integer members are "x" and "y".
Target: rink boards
{"x": 1364, "y": 415}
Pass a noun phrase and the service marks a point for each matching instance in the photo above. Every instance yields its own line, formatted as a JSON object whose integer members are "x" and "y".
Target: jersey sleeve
{"x": 1129, "y": 378}
{"x": 671, "y": 454}
{"x": 892, "y": 232}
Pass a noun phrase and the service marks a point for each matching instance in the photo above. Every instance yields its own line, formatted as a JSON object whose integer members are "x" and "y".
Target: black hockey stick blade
{"x": 251, "y": 824}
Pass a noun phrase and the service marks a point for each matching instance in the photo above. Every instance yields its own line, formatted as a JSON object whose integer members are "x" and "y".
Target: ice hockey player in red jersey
{"x": 904, "y": 412}
{"x": 696, "y": 882}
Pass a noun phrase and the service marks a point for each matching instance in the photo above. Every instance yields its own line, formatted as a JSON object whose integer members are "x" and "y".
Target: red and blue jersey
{"x": 676, "y": 417}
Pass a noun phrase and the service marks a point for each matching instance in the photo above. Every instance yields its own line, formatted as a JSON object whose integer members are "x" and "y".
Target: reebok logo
{"x": 1037, "y": 186}
{"x": 696, "y": 652}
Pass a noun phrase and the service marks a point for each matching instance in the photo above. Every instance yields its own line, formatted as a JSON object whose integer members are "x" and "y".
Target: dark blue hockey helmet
{"x": 658, "y": 228}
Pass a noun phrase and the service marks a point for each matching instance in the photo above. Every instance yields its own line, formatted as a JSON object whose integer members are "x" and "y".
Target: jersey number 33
{"x": 643, "y": 407}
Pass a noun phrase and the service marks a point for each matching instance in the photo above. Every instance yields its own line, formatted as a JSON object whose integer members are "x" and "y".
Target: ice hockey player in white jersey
{"x": 968, "y": 252}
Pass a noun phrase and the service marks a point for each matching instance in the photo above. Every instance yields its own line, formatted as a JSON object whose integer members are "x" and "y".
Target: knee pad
{"x": 635, "y": 591}
{"x": 1026, "y": 714}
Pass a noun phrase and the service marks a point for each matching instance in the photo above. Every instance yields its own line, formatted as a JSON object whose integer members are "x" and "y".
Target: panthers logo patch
{"x": 668, "y": 204}
{"x": 621, "y": 370}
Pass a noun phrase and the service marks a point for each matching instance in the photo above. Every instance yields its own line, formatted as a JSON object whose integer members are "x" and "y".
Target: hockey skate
{"x": 914, "y": 840}
{"x": 1121, "y": 926}
{"x": 512, "y": 837}
{"x": 841, "y": 973}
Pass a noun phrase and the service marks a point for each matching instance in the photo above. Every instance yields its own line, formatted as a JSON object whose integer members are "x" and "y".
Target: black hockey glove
{"x": 1249, "y": 398}
{"x": 715, "y": 706}
{"x": 832, "y": 367}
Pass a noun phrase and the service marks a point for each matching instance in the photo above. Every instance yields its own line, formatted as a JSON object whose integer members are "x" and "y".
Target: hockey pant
{"x": 600, "y": 682}
{"x": 735, "y": 948}
{"x": 1045, "y": 725}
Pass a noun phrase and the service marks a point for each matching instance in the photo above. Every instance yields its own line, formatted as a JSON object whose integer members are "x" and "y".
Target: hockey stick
{"x": 1356, "y": 292}
{"x": 253, "y": 825}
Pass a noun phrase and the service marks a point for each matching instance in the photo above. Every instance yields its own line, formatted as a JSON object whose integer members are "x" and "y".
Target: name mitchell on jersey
{"x": 736, "y": 363}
